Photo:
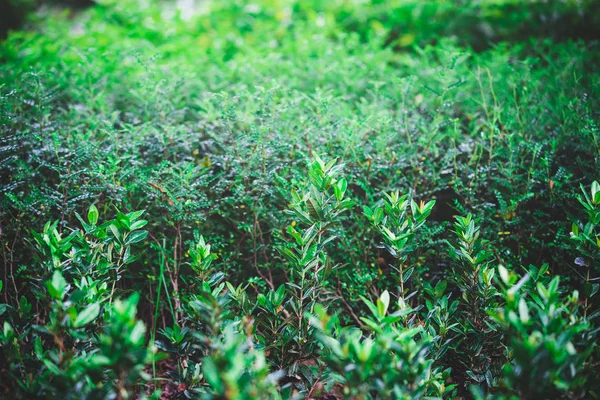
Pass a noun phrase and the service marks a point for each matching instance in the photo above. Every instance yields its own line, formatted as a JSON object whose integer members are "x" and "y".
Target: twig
{"x": 163, "y": 191}
{"x": 348, "y": 307}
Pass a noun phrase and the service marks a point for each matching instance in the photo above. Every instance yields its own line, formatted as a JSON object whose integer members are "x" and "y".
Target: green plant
{"x": 70, "y": 358}
{"x": 441, "y": 318}
{"x": 477, "y": 342}
{"x": 546, "y": 337}
{"x": 398, "y": 226}
{"x": 284, "y": 329}
{"x": 392, "y": 362}
{"x": 236, "y": 370}
{"x": 123, "y": 351}
{"x": 214, "y": 116}
{"x": 587, "y": 241}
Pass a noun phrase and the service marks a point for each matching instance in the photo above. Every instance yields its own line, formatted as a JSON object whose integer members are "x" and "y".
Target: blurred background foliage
{"x": 402, "y": 22}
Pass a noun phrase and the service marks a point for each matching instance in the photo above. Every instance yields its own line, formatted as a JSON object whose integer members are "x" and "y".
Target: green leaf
{"x": 138, "y": 224}
{"x": 428, "y": 207}
{"x": 279, "y": 295}
{"x": 211, "y": 374}
{"x": 8, "y": 330}
{"x": 378, "y": 216}
{"x": 137, "y": 334}
{"x": 51, "y": 367}
{"x": 314, "y": 208}
{"x": 523, "y": 311}
{"x": 309, "y": 234}
{"x": 115, "y": 231}
{"x": 440, "y": 288}
{"x": 261, "y": 299}
{"x": 320, "y": 162}
{"x": 98, "y": 360}
{"x": 388, "y": 234}
{"x": 346, "y": 204}
{"x": 38, "y": 348}
{"x": 294, "y": 233}
{"x": 87, "y": 315}
{"x": 503, "y": 274}
{"x": 340, "y": 189}
{"x": 383, "y": 303}
{"x": 136, "y": 237}
{"x": 124, "y": 220}
{"x": 369, "y": 304}
{"x": 93, "y": 215}
{"x": 309, "y": 254}
{"x": 135, "y": 215}
{"x": 595, "y": 192}
{"x": 574, "y": 230}
{"x": 86, "y": 226}
{"x": 57, "y": 285}
{"x": 414, "y": 208}
{"x": 594, "y": 290}
{"x": 371, "y": 324}
{"x": 287, "y": 253}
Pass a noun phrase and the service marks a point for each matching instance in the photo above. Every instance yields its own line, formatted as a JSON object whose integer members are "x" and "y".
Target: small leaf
{"x": 93, "y": 215}
{"x": 86, "y": 226}
{"x": 211, "y": 374}
{"x": 378, "y": 216}
{"x": 503, "y": 274}
{"x": 138, "y": 224}
{"x": 87, "y": 315}
{"x": 342, "y": 185}
{"x": 136, "y": 237}
{"x": 279, "y": 295}
{"x": 594, "y": 290}
{"x": 97, "y": 361}
{"x": 57, "y": 285}
{"x": 52, "y": 367}
{"x": 115, "y": 231}
{"x": 38, "y": 348}
{"x": 369, "y": 304}
{"x": 137, "y": 334}
{"x": 385, "y": 302}
{"x": 523, "y": 311}
{"x": 135, "y": 215}
{"x": 574, "y": 230}
{"x": 371, "y": 324}
{"x": 595, "y": 192}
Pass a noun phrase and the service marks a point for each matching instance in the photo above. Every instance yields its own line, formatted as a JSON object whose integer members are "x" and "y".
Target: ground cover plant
{"x": 300, "y": 199}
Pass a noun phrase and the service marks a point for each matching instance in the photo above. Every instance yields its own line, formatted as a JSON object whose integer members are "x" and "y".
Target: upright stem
{"x": 156, "y": 310}
{"x": 585, "y": 306}
{"x": 401, "y": 271}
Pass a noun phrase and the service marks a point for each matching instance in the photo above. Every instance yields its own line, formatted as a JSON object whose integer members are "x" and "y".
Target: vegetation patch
{"x": 300, "y": 199}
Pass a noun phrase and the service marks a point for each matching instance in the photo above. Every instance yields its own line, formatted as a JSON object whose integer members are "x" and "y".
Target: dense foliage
{"x": 301, "y": 199}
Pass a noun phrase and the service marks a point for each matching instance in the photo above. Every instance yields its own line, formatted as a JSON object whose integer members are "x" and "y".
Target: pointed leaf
{"x": 87, "y": 315}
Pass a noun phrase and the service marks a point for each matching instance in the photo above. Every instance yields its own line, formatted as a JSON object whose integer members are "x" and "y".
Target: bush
{"x": 300, "y": 200}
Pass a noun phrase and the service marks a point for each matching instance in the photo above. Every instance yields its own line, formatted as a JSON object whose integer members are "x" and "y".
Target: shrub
{"x": 288, "y": 199}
